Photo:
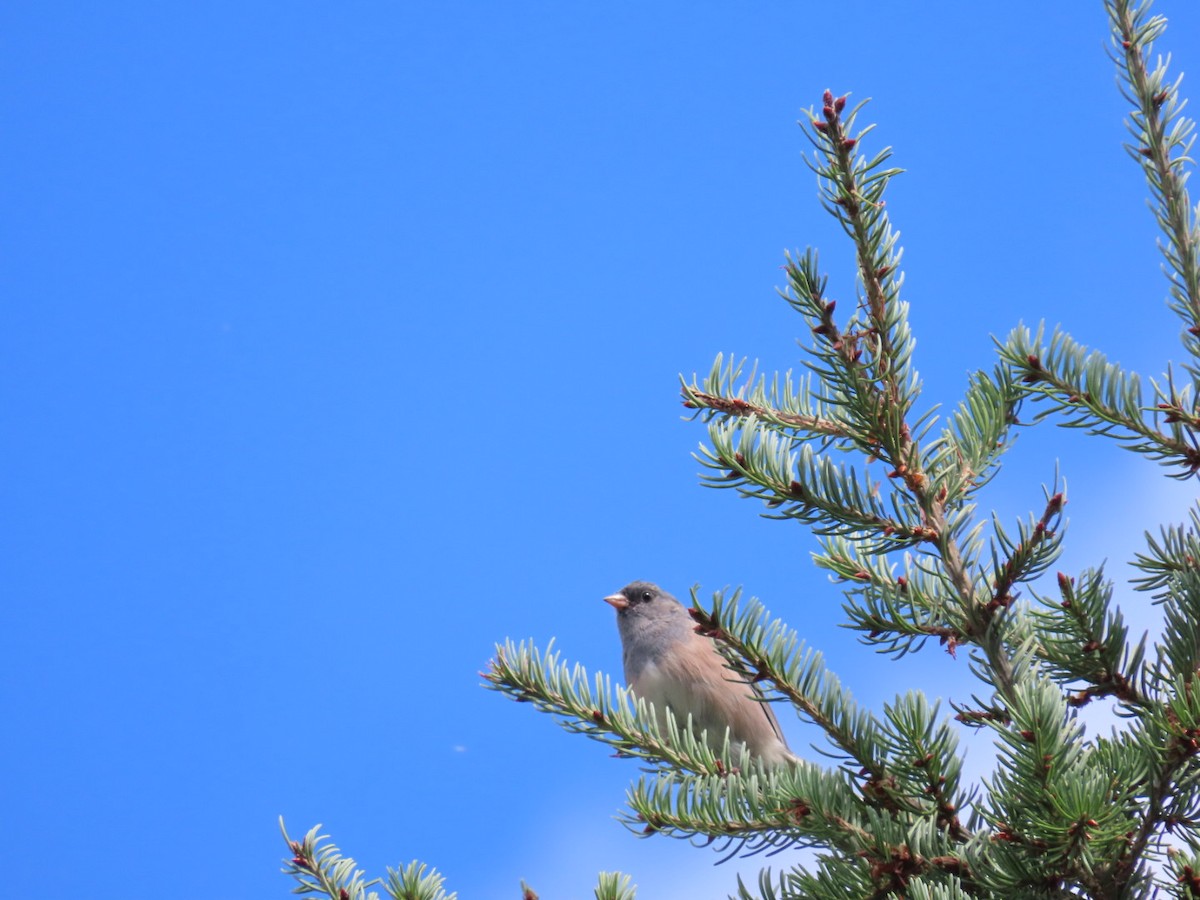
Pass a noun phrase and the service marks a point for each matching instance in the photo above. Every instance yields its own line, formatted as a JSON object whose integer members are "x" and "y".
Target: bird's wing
{"x": 735, "y": 671}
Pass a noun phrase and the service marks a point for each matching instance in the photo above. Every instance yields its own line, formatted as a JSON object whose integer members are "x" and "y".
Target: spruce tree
{"x": 890, "y": 490}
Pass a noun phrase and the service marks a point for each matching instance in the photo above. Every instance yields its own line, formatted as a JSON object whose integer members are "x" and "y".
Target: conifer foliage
{"x": 1063, "y": 813}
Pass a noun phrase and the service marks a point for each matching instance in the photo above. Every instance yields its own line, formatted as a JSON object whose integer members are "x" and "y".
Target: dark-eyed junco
{"x": 668, "y": 664}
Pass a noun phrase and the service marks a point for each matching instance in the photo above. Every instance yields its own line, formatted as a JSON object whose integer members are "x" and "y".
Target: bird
{"x": 667, "y": 663}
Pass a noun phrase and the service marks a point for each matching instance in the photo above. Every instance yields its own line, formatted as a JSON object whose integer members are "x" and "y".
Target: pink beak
{"x": 617, "y": 601}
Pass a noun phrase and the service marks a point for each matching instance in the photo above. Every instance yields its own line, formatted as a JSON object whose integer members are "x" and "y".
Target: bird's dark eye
{"x": 647, "y": 596}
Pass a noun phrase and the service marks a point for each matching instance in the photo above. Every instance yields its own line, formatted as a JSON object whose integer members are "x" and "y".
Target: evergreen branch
{"x": 1094, "y": 394}
{"x": 1168, "y": 736}
{"x": 1181, "y": 811}
{"x": 968, "y": 454}
{"x": 594, "y": 707}
{"x": 1185, "y": 869}
{"x": 800, "y": 484}
{"x": 789, "y": 408}
{"x": 869, "y": 387}
{"x": 952, "y": 889}
{"x": 319, "y": 868}
{"x": 614, "y": 886}
{"x": 412, "y": 883}
{"x": 1174, "y": 556}
{"x": 896, "y": 612}
{"x": 854, "y": 197}
{"x": 1083, "y": 638}
{"x": 885, "y": 387}
{"x": 836, "y": 354}
{"x": 1100, "y": 397}
{"x": 1163, "y": 138}
{"x": 869, "y": 360}
{"x": 1172, "y": 576}
{"x": 905, "y": 781}
{"x": 850, "y": 876}
{"x": 1157, "y": 792}
{"x": 1015, "y": 562}
{"x": 900, "y": 612}
{"x": 789, "y": 806}
{"x": 765, "y": 650}
{"x": 1058, "y": 817}
{"x": 735, "y": 406}
{"x": 908, "y": 867}
{"x": 923, "y": 762}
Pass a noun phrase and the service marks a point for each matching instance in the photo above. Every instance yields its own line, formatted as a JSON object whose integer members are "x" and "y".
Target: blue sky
{"x": 341, "y": 341}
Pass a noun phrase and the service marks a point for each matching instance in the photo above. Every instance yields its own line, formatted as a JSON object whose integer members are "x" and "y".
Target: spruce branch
{"x": 1163, "y": 138}
{"x": 817, "y": 809}
{"x": 765, "y": 652}
{"x": 1059, "y": 815}
{"x": 414, "y": 883}
{"x": 923, "y": 762}
{"x": 836, "y": 879}
{"x": 1185, "y": 870}
{"x": 1084, "y": 639}
{"x": 1083, "y": 385}
{"x": 897, "y": 613}
{"x": 1101, "y": 398}
{"x": 905, "y": 865}
{"x": 871, "y": 357}
{"x": 893, "y": 388}
{"x": 905, "y": 766}
{"x": 787, "y": 807}
{"x": 600, "y": 710}
{"x": 800, "y": 484}
{"x": 615, "y": 886}
{"x": 787, "y": 408}
{"x": 967, "y": 455}
{"x": 1172, "y": 576}
{"x": 1089, "y": 819}
{"x": 320, "y": 868}
{"x": 862, "y": 390}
